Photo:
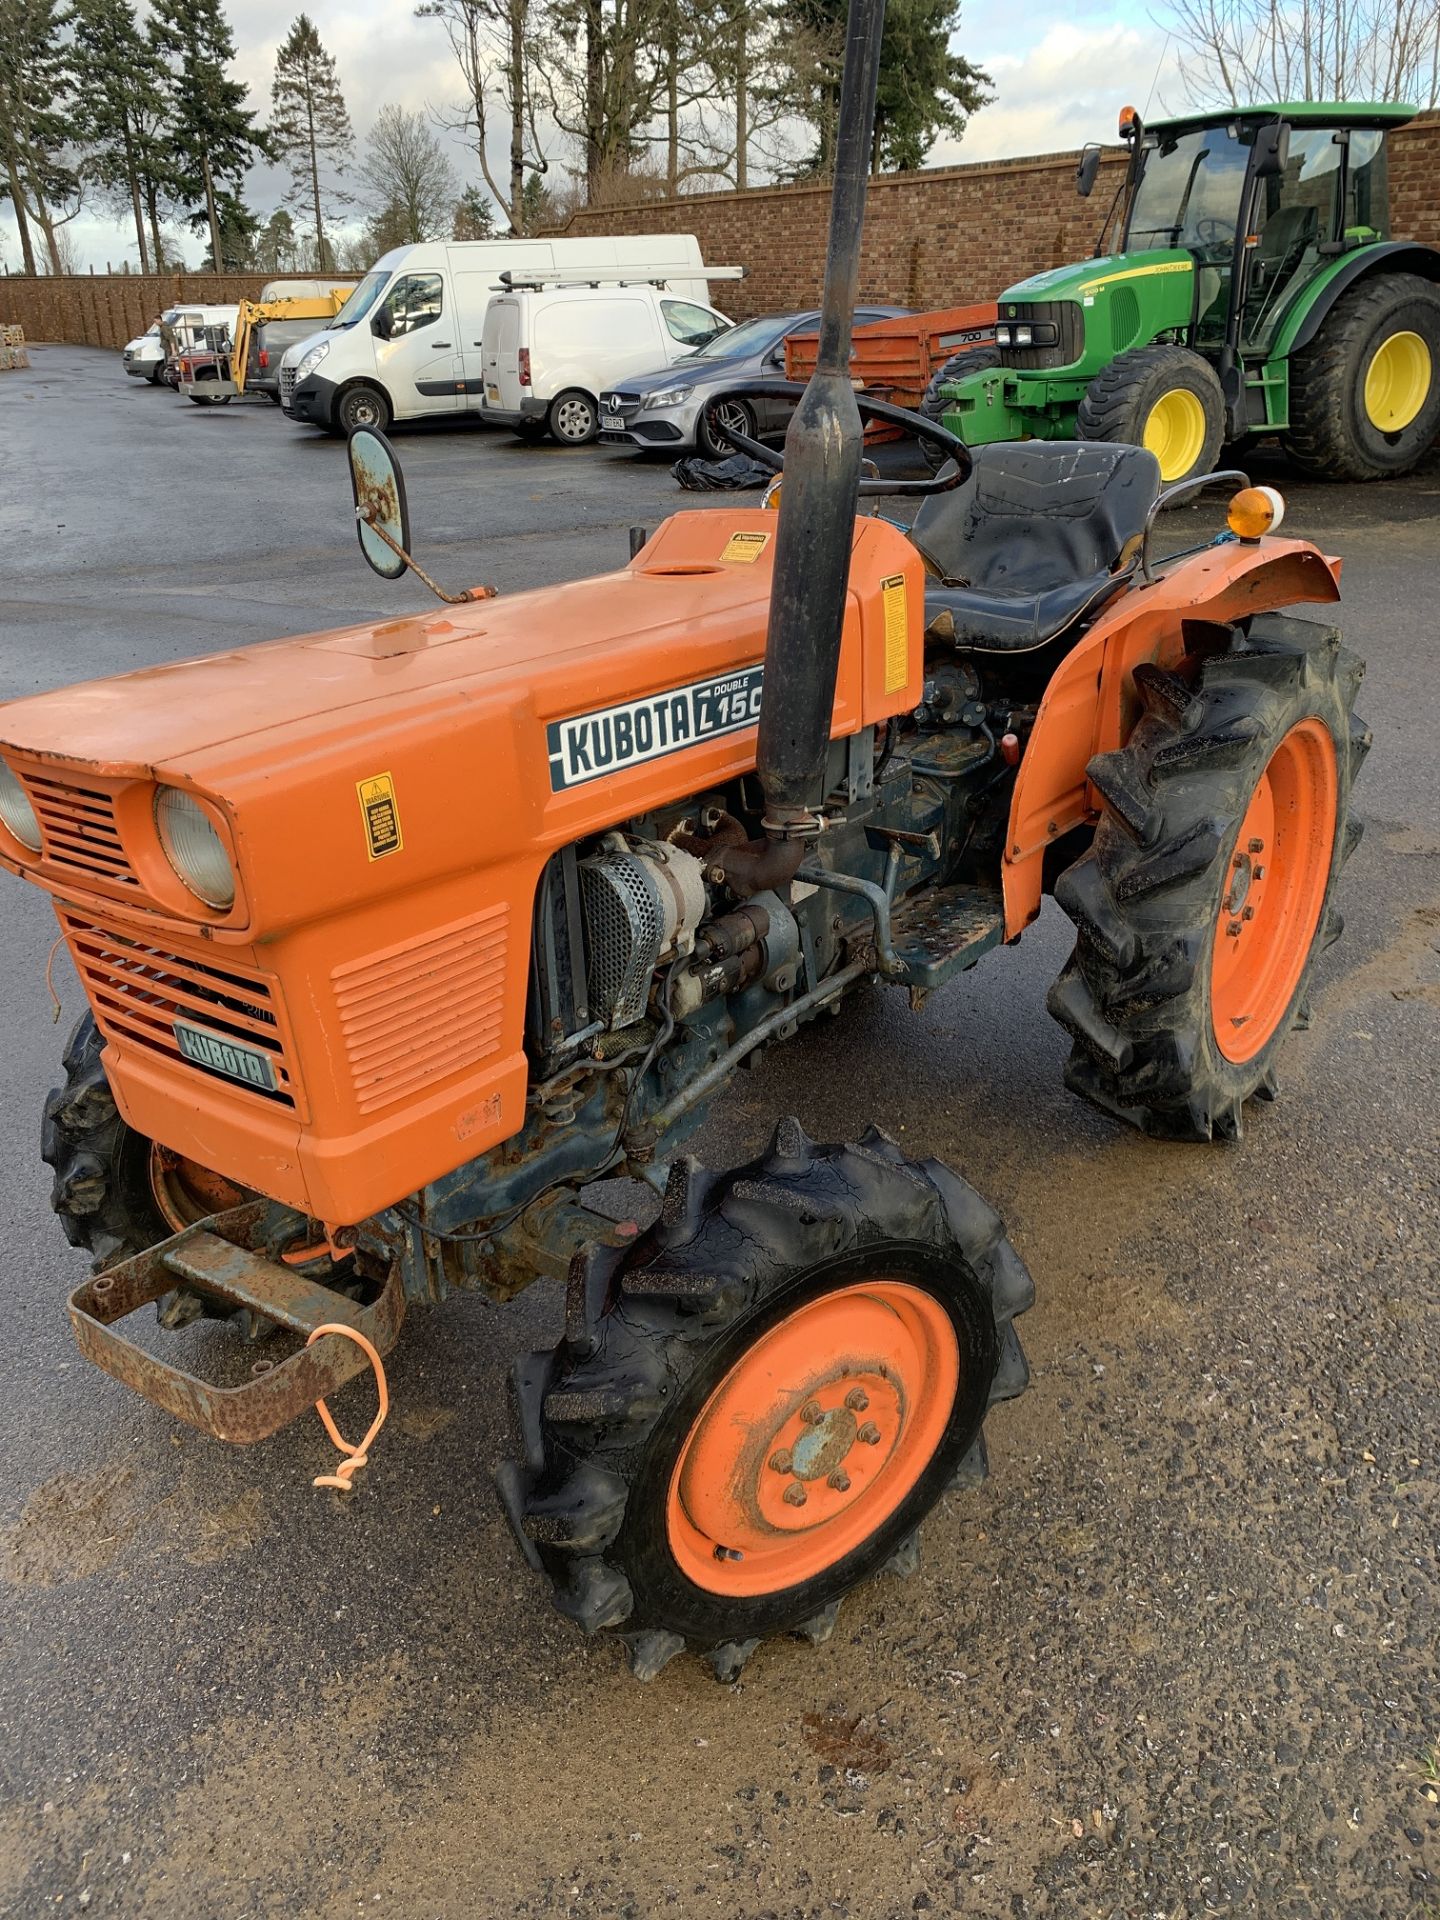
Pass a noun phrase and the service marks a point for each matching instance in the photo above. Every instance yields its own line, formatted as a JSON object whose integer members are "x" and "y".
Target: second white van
{"x": 408, "y": 342}
{"x": 550, "y": 348}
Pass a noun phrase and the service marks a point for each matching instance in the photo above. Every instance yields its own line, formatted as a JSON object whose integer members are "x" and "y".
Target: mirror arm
{"x": 465, "y": 595}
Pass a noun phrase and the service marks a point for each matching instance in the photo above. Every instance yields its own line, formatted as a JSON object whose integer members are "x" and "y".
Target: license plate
{"x": 612, "y": 422}
{"x": 217, "y": 1054}
{"x": 492, "y": 394}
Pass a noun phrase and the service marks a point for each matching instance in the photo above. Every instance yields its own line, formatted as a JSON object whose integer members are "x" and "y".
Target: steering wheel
{"x": 951, "y": 446}
{"x": 1210, "y": 232}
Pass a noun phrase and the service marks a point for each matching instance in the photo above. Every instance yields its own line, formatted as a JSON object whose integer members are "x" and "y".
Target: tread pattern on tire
{"x": 640, "y": 1321}
{"x": 1108, "y": 406}
{"x": 99, "y": 1190}
{"x": 933, "y": 403}
{"x": 1324, "y": 375}
{"x": 1144, "y": 897}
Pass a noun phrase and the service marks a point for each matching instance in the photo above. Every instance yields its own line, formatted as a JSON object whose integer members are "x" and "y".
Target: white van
{"x": 550, "y": 347}
{"x": 407, "y": 344}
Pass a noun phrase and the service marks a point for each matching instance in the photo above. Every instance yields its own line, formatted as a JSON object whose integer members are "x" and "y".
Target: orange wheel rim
{"x": 1274, "y": 891}
{"x": 813, "y": 1438}
{"x": 185, "y": 1192}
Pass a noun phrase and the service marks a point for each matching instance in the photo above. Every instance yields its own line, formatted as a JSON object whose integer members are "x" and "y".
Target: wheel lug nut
{"x": 857, "y": 1400}
{"x": 869, "y": 1434}
{"x": 794, "y": 1495}
{"x": 839, "y": 1481}
{"x": 1248, "y": 914}
{"x": 1233, "y": 930}
{"x": 812, "y": 1413}
{"x": 1258, "y": 873}
{"x": 783, "y": 1461}
{"x": 1256, "y": 846}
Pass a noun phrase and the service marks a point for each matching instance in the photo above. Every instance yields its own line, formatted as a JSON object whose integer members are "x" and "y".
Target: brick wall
{"x": 949, "y": 234}
{"x": 107, "y": 309}
{"x": 932, "y": 239}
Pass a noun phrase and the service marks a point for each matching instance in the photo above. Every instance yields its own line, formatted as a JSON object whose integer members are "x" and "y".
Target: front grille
{"x": 77, "y": 825}
{"x": 622, "y": 403}
{"x": 1069, "y": 320}
{"x": 417, "y": 1013}
{"x": 139, "y": 991}
{"x": 287, "y": 385}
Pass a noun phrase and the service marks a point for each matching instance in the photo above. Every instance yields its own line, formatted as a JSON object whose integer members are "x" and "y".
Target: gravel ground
{"x": 1177, "y": 1657}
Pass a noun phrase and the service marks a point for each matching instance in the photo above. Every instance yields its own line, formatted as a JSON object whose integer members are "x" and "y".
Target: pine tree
{"x": 309, "y": 126}
{"x": 212, "y": 131}
{"x": 474, "y": 217}
{"x": 120, "y": 109}
{"x": 36, "y": 89}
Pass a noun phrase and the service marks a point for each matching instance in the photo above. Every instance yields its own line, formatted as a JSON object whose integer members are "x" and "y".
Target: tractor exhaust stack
{"x": 822, "y": 478}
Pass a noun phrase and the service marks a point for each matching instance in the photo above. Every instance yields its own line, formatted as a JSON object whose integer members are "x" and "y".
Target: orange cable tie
{"x": 356, "y": 1457}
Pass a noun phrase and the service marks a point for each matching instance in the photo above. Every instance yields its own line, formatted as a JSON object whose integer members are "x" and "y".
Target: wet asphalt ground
{"x": 1177, "y": 1657}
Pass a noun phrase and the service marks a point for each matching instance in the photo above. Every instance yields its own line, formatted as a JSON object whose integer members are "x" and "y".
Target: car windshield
{"x": 361, "y": 300}
{"x": 751, "y": 336}
{"x": 1189, "y": 193}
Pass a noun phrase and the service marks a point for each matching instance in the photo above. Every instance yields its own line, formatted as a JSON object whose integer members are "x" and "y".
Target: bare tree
{"x": 1235, "y": 52}
{"x": 493, "y": 42}
{"x": 407, "y": 177}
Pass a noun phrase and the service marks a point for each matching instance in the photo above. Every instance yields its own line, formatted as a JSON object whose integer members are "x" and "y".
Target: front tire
{"x": 728, "y": 413}
{"x": 362, "y": 406}
{"x": 759, "y": 1400}
{"x": 1365, "y": 394}
{"x": 116, "y": 1192}
{"x": 1207, "y": 894}
{"x": 933, "y": 402}
{"x": 1163, "y": 398}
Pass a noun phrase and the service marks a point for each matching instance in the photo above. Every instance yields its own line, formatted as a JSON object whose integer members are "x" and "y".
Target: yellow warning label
{"x": 897, "y": 632}
{"x": 745, "y": 546}
{"x": 381, "y": 814}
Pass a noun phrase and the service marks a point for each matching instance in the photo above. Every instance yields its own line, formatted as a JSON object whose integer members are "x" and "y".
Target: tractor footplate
{"x": 943, "y": 933}
{"x": 221, "y": 1257}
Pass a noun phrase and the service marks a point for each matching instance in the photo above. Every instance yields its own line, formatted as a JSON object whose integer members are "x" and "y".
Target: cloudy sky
{"x": 1062, "y": 70}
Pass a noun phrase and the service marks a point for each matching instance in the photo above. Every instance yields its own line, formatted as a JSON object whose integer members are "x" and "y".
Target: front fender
{"x": 1090, "y": 705}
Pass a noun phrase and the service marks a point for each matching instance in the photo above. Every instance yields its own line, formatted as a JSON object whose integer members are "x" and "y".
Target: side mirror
{"x": 382, "y": 515}
{"x": 776, "y": 356}
{"x": 1272, "y": 149}
{"x": 380, "y": 325}
{"x": 1086, "y": 170}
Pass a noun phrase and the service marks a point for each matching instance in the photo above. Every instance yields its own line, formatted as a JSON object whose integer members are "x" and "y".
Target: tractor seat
{"x": 1039, "y": 536}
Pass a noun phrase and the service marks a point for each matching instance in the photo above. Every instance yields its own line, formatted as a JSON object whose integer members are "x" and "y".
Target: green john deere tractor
{"x": 1254, "y": 290}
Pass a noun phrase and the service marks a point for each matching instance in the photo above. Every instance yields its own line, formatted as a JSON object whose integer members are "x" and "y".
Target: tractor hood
{"x": 1122, "y": 299}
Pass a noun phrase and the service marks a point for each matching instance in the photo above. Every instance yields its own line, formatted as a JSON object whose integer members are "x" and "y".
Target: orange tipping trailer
{"x": 896, "y": 359}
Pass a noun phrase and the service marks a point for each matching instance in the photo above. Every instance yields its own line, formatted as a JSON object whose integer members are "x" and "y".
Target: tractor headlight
{"x": 193, "y": 847}
{"x": 672, "y": 397}
{"x": 309, "y": 361}
{"x": 1021, "y": 336}
{"x": 1002, "y": 336}
{"x": 16, "y": 811}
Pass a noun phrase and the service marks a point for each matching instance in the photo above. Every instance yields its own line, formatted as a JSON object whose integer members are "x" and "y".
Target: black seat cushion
{"x": 1041, "y": 533}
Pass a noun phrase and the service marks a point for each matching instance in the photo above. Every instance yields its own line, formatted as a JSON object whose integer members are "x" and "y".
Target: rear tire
{"x": 634, "y": 1487}
{"x": 362, "y": 406}
{"x": 1365, "y": 394}
{"x": 933, "y": 403}
{"x": 1164, "y": 398}
{"x": 1208, "y": 891}
{"x": 573, "y": 418}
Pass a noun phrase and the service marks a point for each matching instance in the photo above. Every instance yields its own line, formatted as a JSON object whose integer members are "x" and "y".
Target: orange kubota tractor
{"x": 396, "y": 938}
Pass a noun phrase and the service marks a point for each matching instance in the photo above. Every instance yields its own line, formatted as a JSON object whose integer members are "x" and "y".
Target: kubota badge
{"x": 382, "y": 815}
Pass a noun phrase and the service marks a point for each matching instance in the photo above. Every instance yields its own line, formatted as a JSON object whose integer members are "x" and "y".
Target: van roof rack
{"x": 652, "y": 276}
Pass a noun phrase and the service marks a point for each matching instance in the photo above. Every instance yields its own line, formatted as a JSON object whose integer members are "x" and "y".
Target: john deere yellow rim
{"x": 1175, "y": 432}
{"x": 1397, "y": 382}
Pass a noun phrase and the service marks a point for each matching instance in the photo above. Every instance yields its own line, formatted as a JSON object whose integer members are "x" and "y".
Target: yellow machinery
{"x": 210, "y": 377}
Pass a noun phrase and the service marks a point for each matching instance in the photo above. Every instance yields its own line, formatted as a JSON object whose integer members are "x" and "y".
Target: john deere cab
{"x": 1254, "y": 290}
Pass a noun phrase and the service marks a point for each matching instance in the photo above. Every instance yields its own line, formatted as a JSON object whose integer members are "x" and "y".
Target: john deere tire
{"x": 1365, "y": 394}
{"x": 758, "y": 1401}
{"x": 933, "y": 403}
{"x": 109, "y": 1180}
{"x": 1163, "y": 398}
{"x": 1208, "y": 891}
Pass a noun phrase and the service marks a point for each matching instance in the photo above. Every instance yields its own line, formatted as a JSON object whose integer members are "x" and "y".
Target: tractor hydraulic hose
{"x": 822, "y": 477}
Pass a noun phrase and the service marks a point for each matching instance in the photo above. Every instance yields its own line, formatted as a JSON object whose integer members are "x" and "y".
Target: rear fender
{"x": 1090, "y": 705}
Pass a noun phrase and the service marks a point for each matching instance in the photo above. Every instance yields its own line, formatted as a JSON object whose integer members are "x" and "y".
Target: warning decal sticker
{"x": 744, "y": 546}
{"x": 381, "y": 815}
{"x": 897, "y": 632}
{"x": 622, "y": 736}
